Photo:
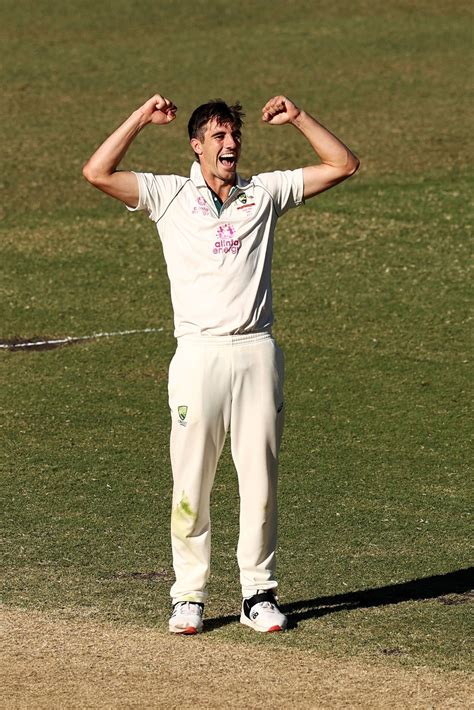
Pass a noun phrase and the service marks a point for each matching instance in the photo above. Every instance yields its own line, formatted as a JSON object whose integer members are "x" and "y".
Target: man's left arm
{"x": 337, "y": 161}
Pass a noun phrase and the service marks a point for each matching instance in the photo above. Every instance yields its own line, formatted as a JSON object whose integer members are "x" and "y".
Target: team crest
{"x": 245, "y": 205}
{"x": 182, "y": 412}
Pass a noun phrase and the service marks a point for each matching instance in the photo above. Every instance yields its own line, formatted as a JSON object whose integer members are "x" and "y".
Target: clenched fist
{"x": 159, "y": 110}
{"x": 280, "y": 110}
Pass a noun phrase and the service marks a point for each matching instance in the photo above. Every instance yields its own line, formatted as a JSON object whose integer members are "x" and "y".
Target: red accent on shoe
{"x": 273, "y": 628}
{"x": 189, "y": 630}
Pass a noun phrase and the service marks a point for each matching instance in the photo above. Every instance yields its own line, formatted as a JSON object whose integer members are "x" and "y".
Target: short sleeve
{"x": 156, "y": 192}
{"x": 285, "y": 187}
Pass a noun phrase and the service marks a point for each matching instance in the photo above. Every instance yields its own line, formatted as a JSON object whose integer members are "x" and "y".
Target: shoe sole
{"x": 248, "y": 622}
{"x": 188, "y": 631}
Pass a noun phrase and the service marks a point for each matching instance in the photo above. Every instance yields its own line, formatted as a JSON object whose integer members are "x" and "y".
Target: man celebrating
{"x": 227, "y": 373}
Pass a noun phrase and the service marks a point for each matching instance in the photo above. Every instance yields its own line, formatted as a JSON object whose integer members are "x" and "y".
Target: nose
{"x": 230, "y": 143}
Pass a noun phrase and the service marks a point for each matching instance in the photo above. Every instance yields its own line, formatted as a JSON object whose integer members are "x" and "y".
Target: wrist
{"x": 299, "y": 118}
{"x": 140, "y": 119}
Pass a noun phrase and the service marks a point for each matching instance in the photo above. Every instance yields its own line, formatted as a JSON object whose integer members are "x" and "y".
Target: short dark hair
{"x": 216, "y": 109}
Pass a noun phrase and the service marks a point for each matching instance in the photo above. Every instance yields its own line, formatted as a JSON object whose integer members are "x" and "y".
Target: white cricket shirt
{"x": 219, "y": 261}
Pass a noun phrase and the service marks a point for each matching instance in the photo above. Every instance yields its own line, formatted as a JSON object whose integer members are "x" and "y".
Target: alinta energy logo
{"x": 225, "y": 240}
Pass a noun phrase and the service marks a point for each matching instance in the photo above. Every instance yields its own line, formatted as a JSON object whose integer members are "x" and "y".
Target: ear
{"x": 196, "y": 145}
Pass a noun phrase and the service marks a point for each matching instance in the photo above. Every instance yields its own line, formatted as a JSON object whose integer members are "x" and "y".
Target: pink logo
{"x": 201, "y": 207}
{"x": 225, "y": 241}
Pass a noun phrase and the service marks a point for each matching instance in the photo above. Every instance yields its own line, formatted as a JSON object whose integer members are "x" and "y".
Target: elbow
{"x": 87, "y": 173}
{"x": 93, "y": 176}
{"x": 345, "y": 170}
{"x": 353, "y": 164}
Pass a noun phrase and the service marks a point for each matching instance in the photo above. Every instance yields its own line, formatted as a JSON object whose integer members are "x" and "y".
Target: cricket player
{"x": 217, "y": 230}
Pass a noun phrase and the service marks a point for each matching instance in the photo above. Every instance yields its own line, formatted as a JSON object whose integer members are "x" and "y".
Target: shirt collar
{"x": 198, "y": 180}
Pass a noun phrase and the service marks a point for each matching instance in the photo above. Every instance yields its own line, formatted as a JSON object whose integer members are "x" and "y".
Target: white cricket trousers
{"x": 217, "y": 382}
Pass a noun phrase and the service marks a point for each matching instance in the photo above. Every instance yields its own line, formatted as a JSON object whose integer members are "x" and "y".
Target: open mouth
{"x": 228, "y": 160}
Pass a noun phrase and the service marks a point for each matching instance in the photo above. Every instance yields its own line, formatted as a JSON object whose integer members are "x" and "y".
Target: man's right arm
{"x": 101, "y": 168}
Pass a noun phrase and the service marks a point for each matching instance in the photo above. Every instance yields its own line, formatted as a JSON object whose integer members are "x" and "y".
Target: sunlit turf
{"x": 371, "y": 297}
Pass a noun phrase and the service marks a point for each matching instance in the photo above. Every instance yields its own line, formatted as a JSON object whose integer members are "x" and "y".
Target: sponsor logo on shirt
{"x": 201, "y": 207}
{"x": 225, "y": 240}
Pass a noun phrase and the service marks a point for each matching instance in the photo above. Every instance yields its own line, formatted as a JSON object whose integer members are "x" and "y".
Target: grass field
{"x": 372, "y": 300}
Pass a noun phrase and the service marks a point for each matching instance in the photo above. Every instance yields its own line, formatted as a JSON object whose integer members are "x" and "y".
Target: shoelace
{"x": 266, "y": 605}
{"x": 191, "y": 608}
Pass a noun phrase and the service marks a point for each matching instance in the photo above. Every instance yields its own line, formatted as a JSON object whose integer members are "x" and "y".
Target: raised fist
{"x": 159, "y": 110}
{"x": 280, "y": 110}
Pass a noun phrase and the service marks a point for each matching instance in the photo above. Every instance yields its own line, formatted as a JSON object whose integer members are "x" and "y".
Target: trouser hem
{"x": 248, "y": 592}
{"x": 195, "y": 597}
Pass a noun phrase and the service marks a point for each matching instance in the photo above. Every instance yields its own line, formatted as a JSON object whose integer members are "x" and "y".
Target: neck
{"x": 218, "y": 185}
{"x": 221, "y": 189}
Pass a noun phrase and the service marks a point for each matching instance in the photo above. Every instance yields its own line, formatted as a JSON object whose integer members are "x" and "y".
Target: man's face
{"x": 218, "y": 151}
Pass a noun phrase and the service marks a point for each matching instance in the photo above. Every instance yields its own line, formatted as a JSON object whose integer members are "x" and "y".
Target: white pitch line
{"x": 75, "y": 339}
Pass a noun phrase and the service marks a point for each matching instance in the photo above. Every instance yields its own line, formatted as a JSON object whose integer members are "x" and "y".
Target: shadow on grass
{"x": 436, "y": 587}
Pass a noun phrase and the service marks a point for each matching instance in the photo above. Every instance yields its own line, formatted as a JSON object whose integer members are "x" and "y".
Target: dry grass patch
{"x": 55, "y": 662}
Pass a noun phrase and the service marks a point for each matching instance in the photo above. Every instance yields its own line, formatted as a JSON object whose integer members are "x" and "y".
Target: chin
{"x": 228, "y": 175}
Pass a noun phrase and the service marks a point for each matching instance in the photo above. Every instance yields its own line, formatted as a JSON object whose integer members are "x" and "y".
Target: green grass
{"x": 371, "y": 296}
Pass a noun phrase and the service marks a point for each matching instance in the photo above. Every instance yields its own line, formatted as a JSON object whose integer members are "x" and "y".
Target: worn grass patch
{"x": 57, "y": 661}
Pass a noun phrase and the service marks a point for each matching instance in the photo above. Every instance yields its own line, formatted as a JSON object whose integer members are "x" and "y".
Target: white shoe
{"x": 186, "y": 618}
{"x": 261, "y": 612}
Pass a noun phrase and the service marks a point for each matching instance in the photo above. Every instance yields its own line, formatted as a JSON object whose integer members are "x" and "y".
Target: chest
{"x": 195, "y": 215}
{"x": 196, "y": 232}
